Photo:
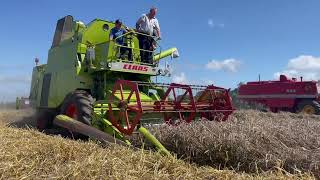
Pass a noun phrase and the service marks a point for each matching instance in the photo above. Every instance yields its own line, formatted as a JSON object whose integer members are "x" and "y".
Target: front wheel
{"x": 308, "y": 107}
{"x": 79, "y": 106}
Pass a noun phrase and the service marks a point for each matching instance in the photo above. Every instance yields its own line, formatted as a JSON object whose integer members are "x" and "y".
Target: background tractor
{"x": 86, "y": 80}
{"x": 22, "y": 103}
{"x": 292, "y": 95}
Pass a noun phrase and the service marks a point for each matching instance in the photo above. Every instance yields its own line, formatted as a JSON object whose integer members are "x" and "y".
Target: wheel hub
{"x": 72, "y": 111}
{"x": 123, "y": 105}
{"x": 308, "y": 109}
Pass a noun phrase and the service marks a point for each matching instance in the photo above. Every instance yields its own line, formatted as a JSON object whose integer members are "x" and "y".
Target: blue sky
{"x": 220, "y": 41}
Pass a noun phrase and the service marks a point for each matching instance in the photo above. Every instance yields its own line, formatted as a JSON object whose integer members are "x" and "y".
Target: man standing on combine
{"x": 116, "y": 34}
{"x": 148, "y": 24}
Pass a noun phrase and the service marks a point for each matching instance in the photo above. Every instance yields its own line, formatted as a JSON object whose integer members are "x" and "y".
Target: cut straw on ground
{"x": 28, "y": 154}
{"x": 250, "y": 141}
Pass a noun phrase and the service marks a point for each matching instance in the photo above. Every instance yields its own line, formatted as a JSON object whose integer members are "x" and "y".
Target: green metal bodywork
{"x": 70, "y": 67}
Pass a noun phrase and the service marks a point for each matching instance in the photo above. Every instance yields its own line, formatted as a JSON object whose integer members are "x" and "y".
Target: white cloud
{"x": 214, "y": 25}
{"x": 180, "y": 78}
{"x": 230, "y": 65}
{"x": 210, "y": 23}
{"x": 289, "y": 73}
{"x": 305, "y": 65}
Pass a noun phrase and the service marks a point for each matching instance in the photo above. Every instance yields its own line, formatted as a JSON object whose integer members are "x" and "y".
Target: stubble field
{"x": 250, "y": 144}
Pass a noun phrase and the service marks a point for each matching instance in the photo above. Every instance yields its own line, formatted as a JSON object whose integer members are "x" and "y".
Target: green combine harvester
{"x": 88, "y": 88}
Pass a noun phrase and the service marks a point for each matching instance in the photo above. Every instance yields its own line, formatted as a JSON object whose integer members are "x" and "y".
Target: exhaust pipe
{"x": 170, "y": 52}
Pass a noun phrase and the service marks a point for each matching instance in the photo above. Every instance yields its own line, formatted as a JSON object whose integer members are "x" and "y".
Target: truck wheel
{"x": 78, "y": 105}
{"x": 44, "y": 118}
{"x": 308, "y": 107}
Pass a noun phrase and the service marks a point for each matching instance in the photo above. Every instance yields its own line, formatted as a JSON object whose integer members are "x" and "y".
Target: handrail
{"x": 131, "y": 32}
{"x": 154, "y": 37}
{"x": 132, "y": 48}
{"x": 135, "y": 32}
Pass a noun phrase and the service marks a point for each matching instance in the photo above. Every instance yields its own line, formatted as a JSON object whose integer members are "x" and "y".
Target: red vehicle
{"x": 284, "y": 95}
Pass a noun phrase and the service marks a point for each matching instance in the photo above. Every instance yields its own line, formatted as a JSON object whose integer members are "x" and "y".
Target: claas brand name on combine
{"x": 135, "y": 67}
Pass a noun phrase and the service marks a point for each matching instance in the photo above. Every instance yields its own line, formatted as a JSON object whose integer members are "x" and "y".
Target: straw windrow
{"x": 250, "y": 141}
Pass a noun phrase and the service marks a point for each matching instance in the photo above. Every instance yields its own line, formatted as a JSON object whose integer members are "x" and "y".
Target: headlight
{"x": 160, "y": 72}
{"x": 103, "y": 64}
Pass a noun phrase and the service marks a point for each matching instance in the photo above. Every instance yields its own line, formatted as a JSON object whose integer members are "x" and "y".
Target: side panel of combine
{"x": 45, "y": 90}
{"x": 36, "y": 85}
{"x": 64, "y": 66}
{"x": 97, "y": 33}
{"x": 64, "y": 30}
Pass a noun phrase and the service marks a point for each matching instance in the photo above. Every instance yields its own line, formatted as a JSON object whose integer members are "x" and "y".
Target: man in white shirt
{"x": 148, "y": 24}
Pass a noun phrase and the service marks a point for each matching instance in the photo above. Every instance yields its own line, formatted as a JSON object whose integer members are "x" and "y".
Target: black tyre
{"x": 308, "y": 107}
{"x": 79, "y": 106}
{"x": 44, "y": 118}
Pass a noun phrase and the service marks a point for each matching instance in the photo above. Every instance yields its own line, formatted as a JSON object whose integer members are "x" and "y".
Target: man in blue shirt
{"x": 116, "y": 34}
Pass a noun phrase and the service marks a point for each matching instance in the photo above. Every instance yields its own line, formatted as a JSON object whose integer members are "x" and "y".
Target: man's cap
{"x": 118, "y": 21}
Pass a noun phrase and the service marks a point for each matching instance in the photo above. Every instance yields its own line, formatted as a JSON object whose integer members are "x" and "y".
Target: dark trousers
{"x": 145, "y": 43}
{"x": 125, "y": 50}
